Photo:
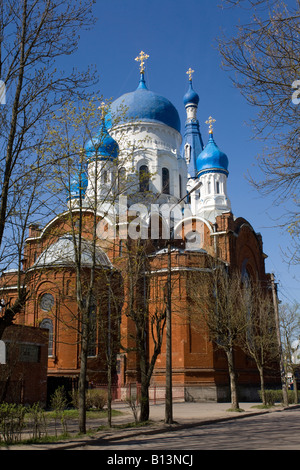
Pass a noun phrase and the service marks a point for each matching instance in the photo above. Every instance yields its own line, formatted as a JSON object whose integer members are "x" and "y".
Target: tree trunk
{"x": 145, "y": 408}
{"x": 295, "y": 388}
{"x": 82, "y": 380}
{"x": 233, "y": 380}
{"x": 109, "y": 393}
{"x": 169, "y": 384}
{"x": 262, "y": 385}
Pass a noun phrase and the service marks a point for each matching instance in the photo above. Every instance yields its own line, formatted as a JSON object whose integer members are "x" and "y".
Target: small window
{"x": 180, "y": 187}
{"x": 144, "y": 179}
{"x": 165, "y": 181}
{"x": 68, "y": 287}
{"x": 187, "y": 153}
{"x": 217, "y": 187}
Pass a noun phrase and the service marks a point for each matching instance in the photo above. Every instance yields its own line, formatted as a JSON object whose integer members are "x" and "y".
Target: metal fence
{"x": 132, "y": 391}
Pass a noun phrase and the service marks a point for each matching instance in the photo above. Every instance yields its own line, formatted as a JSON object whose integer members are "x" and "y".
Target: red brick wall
{"x": 25, "y": 371}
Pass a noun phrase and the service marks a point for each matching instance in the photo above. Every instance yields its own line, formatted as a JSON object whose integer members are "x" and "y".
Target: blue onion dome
{"x": 78, "y": 185}
{"x": 212, "y": 158}
{"x": 191, "y": 97}
{"x": 102, "y": 146}
{"x": 143, "y": 105}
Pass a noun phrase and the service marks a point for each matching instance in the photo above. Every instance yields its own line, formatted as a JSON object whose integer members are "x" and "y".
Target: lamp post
{"x": 282, "y": 368}
{"x": 169, "y": 398}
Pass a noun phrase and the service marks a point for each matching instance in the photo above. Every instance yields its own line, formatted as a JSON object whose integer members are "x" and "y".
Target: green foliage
{"x": 12, "y": 422}
{"x": 37, "y": 421}
{"x": 59, "y": 403}
{"x": 276, "y": 396}
{"x": 58, "y": 400}
{"x": 95, "y": 399}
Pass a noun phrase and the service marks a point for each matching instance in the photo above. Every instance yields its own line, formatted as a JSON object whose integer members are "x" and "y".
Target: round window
{"x": 47, "y": 302}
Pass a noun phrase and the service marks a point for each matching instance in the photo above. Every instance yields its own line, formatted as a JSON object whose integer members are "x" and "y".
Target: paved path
{"x": 266, "y": 431}
{"x": 184, "y": 414}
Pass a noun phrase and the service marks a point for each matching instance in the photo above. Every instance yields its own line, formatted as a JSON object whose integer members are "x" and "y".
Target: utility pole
{"x": 282, "y": 370}
{"x": 169, "y": 398}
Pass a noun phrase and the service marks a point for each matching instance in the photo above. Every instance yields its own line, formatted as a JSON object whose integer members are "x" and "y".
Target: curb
{"x": 101, "y": 437}
{"x": 154, "y": 428}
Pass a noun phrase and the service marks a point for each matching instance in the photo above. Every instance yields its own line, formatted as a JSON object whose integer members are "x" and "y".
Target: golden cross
{"x": 103, "y": 108}
{"x": 190, "y": 73}
{"x": 210, "y": 121}
{"x": 141, "y": 58}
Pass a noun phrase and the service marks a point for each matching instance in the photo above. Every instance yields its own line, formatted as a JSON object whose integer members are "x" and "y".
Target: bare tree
{"x": 85, "y": 183}
{"x": 259, "y": 340}
{"x": 290, "y": 332}
{"x": 68, "y": 133}
{"x": 26, "y": 206}
{"x": 263, "y": 58}
{"x": 219, "y": 307}
{"x": 34, "y": 35}
{"x": 147, "y": 314}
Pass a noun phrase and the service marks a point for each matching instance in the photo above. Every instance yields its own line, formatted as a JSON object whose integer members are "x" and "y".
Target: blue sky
{"x": 178, "y": 34}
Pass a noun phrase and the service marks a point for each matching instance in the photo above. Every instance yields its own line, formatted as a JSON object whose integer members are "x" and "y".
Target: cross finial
{"x": 210, "y": 122}
{"x": 141, "y": 58}
{"x": 190, "y": 73}
{"x": 103, "y": 108}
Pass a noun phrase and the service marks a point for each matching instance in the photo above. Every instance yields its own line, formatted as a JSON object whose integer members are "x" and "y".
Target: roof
{"x": 62, "y": 253}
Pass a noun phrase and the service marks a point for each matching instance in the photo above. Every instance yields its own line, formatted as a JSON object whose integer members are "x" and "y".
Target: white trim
{"x": 178, "y": 269}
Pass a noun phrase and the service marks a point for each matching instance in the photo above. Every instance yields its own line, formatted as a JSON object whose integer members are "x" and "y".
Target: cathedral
{"x": 146, "y": 179}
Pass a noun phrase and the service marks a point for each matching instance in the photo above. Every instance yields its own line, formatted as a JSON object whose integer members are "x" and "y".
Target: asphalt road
{"x": 271, "y": 431}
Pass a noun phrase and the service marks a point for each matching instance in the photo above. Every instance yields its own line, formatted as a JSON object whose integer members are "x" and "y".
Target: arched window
{"x": 165, "y": 181}
{"x": 105, "y": 176}
{"x": 217, "y": 187}
{"x": 144, "y": 178}
{"x": 68, "y": 287}
{"x": 48, "y": 325}
{"x": 122, "y": 179}
{"x": 187, "y": 153}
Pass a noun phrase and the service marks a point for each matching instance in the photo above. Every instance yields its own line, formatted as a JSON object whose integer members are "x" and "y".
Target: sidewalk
{"x": 185, "y": 414}
{"x": 189, "y": 412}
